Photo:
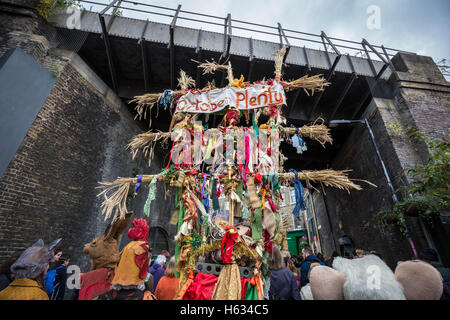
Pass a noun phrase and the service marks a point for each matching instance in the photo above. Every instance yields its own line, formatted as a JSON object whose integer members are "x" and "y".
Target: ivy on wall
{"x": 430, "y": 192}
{"x": 47, "y": 7}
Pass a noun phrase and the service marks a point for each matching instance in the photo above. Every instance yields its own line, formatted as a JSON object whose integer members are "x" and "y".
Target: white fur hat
{"x": 306, "y": 293}
{"x": 368, "y": 278}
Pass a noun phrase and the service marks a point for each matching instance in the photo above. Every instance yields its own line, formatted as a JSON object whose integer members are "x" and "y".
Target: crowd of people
{"x": 40, "y": 273}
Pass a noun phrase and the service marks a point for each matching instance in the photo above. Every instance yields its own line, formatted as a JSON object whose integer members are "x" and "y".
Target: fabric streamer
{"x": 299, "y": 194}
{"x": 228, "y": 286}
{"x": 215, "y": 199}
{"x": 178, "y": 247}
{"x": 202, "y": 287}
{"x": 165, "y": 98}
{"x": 151, "y": 195}
{"x": 297, "y": 141}
{"x": 257, "y": 224}
{"x": 138, "y": 184}
{"x": 190, "y": 278}
{"x": 228, "y": 240}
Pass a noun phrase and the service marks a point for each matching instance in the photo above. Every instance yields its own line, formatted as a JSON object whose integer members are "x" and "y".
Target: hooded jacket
{"x": 306, "y": 265}
{"x": 283, "y": 285}
{"x": 158, "y": 272}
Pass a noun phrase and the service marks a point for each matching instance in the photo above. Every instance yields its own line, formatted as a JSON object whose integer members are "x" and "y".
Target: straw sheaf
{"x": 185, "y": 82}
{"x": 318, "y": 132}
{"x": 143, "y": 141}
{"x": 279, "y": 55}
{"x": 313, "y": 83}
{"x": 145, "y": 102}
{"x": 115, "y": 204}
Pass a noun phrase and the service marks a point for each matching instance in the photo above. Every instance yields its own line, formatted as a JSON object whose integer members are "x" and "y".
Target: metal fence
{"x": 363, "y": 49}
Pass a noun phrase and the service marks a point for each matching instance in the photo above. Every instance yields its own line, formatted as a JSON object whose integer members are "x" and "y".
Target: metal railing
{"x": 231, "y": 24}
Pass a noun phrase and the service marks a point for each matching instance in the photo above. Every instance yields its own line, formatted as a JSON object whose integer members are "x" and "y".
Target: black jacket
{"x": 60, "y": 284}
{"x": 283, "y": 285}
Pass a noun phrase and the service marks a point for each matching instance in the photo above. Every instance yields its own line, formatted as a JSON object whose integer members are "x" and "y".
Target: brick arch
{"x": 158, "y": 239}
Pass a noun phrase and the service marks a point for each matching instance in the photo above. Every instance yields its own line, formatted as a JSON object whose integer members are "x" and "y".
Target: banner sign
{"x": 256, "y": 96}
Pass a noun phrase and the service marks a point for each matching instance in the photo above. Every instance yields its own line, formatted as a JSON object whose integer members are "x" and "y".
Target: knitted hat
{"x": 34, "y": 260}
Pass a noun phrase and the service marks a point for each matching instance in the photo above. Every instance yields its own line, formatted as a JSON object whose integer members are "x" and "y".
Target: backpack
{"x": 50, "y": 280}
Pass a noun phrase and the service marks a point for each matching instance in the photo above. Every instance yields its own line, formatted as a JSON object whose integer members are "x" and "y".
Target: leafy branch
{"x": 430, "y": 191}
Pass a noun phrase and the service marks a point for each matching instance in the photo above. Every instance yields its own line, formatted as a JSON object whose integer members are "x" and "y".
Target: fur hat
{"x": 104, "y": 250}
{"x": 368, "y": 278}
{"x": 420, "y": 280}
{"x": 305, "y": 292}
{"x": 34, "y": 260}
{"x": 327, "y": 283}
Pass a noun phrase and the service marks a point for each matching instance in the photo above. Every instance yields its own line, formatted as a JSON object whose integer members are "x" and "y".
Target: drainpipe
{"x": 329, "y": 219}
{"x": 386, "y": 174}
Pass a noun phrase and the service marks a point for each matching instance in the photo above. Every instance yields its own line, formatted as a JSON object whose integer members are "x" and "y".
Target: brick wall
{"x": 356, "y": 211}
{"x": 77, "y": 139}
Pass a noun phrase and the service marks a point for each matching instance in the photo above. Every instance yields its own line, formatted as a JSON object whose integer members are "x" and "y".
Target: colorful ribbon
{"x": 299, "y": 194}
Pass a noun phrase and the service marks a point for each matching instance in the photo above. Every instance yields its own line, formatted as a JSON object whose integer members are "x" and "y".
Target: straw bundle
{"x": 116, "y": 203}
{"x": 145, "y": 102}
{"x": 314, "y": 83}
{"x": 333, "y": 178}
{"x": 211, "y": 67}
{"x": 144, "y": 141}
{"x": 318, "y": 132}
{"x": 185, "y": 81}
{"x": 279, "y": 56}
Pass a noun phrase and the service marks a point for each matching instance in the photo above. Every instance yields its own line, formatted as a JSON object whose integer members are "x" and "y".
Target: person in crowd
{"x": 60, "y": 278}
{"x": 308, "y": 259}
{"x": 166, "y": 254}
{"x": 168, "y": 284}
{"x": 29, "y": 272}
{"x": 359, "y": 253}
{"x": 282, "y": 282}
{"x": 295, "y": 271}
{"x": 6, "y": 277}
{"x": 149, "y": 279}
{"x": 298, "y": 261}
{"x": 430, "y": 256}
{"x": 56, "y": 255}
{"x": 320, "y": 256}
{"x": 329, "y": 262}
{"x": 157, "y": 270}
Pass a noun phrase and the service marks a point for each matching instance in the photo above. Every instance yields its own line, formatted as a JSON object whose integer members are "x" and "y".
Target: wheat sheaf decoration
{"x": 115, "y": 193}
{"x": 313, "y": 83}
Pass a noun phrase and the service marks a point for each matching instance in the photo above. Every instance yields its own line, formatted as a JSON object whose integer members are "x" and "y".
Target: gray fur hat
{"x": 34, "y": 260}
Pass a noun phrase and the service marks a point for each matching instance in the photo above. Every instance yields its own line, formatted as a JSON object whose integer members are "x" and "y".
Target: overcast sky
{"x": 412, "y": 25}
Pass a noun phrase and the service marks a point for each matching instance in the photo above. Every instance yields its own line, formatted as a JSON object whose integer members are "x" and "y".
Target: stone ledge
{"x": 410, "y": 81}
{"x": 94, "y": 81}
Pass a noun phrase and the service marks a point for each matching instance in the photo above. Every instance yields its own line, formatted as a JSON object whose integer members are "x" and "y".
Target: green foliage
{"x": 47, "y": 7}
{"x": 429, "y": 194}
{"x": 385, "y": 218}
{"x": 54, "y": 68}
